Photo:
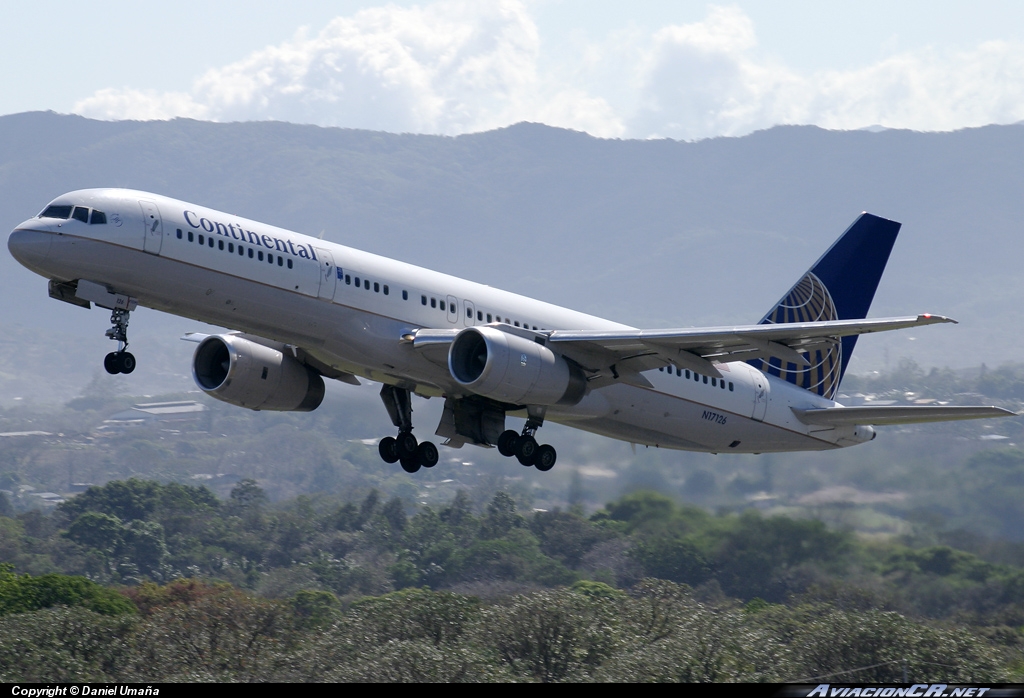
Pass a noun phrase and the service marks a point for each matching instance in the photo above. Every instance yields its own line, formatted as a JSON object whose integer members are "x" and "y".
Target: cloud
{"x": 709, "y": 78}
{"x": 142, "y": 105}
{"x": 454, "y": 67}
{"x": 448, "y": 67}
{"x": 704, "y": 79}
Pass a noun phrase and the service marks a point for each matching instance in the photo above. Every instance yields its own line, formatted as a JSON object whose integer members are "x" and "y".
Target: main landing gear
{"x": 404, "y": 448}
{"x": 525, "y": 448}
{"x": 120, "y": 361}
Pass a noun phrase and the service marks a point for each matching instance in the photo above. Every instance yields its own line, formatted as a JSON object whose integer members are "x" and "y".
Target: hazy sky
{"x": 645, "y": 69}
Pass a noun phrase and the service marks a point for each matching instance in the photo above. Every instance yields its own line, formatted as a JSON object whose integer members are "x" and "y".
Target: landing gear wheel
{"x": 388, "y": 449}
{"x": 426, "y": 454}
{"x": 406, "y": 445}
{"x": 526, "y": 449}
{"x": 507, "y": 443}
{"x": 126, "y": 362}
{"x": 110, "y": 363}
{"x": 545, "y": 457}
{"x": 410, "y": 465}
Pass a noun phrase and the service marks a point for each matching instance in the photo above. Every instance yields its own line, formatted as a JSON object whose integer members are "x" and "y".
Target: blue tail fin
{"x": 840, "y": 286}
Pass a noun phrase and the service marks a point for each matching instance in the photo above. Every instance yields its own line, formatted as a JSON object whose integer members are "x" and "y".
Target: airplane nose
{"x": 30, "y": 247}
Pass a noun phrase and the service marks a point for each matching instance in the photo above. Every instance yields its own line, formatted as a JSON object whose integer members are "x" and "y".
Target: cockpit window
{"x": 62, "y": 212}
{"x": 81, "y": 213}
{"x": 98, "y": 218}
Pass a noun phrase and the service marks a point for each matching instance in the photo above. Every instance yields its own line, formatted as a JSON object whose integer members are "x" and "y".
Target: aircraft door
{"x": 470, "y": 318}
{"x": 453, "y": 309}
{"x": 154, "y": 227}
{"x": 328, "y": 275}
{"x": 761, "y": 394}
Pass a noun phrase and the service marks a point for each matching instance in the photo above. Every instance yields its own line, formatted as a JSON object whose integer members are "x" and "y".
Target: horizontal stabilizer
{"x": 896, "y": 414}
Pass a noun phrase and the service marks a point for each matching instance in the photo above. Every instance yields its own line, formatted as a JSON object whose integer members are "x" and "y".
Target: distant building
{"x": 183, "y": 415}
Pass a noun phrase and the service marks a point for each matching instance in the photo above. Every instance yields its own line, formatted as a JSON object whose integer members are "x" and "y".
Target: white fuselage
{"x": 350, "y": 310}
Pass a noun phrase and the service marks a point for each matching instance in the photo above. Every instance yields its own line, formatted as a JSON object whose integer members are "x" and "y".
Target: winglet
{"x": 930, "y": 319}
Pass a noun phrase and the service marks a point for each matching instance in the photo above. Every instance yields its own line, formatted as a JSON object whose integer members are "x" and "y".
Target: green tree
{"x": 553, "y": 635}
{"x": 64, "y": 645}
{"x": 24, "y": 593}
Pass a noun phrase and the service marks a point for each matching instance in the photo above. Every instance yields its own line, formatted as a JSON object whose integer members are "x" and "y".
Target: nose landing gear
{"x": 120, "y": 361}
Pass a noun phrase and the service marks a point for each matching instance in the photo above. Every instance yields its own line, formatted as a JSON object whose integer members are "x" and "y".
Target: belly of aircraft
{"x": 652, "y": 418}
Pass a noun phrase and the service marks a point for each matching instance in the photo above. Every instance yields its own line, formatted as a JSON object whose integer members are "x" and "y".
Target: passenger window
{"x": 202, "y": 239}
{"x": 385, "y": 289}
{"x": 469, "y": 313}
{"x": 358, "y": 282}
{"x": 722, "y": 385}
{"x": 259, "y": 255}
{"x": 705, "y": 379}
{"x": 209, "y": 241}
{"x": 179, "y": 231}
{"x": 348, "y": 280}
{"x": 241, "y": 251}
{"x": 61, "y": 212}
{"x": 442, "y": 305}
{"x": 289, "y": 263}
{"x": 679, "y": 371}
{"x": 714, "y": 382}
{"x": 479, "y": 316}
{"x": 433, "y": 302}
{"x": 423, "y": 300}
{"x": 280, "y": 261}
{"x": 376, "y": 287}
{"x": 366, "y": 284}
{"x": 231, "y": 247}
{"x": 100, "y": 218}
{"x": 517, "y": 323}
{"x": 250, "y": 253}
{"x": 489, "y": 318}
{"x": 405, "y": 295}
{"x": 190, "y": 236}
{"x": 730, "y": 386}
{"x": 220, "y": 244}
{"x": 687, "y": 374}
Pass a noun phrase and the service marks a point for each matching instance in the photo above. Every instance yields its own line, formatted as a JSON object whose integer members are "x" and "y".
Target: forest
{"x": 254, "y": 547}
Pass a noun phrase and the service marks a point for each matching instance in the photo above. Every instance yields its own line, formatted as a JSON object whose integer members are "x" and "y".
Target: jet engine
{"x": 509, "y": 368}
{"x": 247, "y": 374}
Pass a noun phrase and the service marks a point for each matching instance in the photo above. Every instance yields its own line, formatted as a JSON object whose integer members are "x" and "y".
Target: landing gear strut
{"x": 404, "y": 448}
{"x": 525, "y": 447}
{"x": 120, "y": 361}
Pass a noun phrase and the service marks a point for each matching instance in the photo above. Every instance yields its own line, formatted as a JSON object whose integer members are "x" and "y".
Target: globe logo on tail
{"x": 808, "y": 301}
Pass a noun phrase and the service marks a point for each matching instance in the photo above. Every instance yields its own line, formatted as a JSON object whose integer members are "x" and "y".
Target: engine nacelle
{"x": 251, "y": 375}
{"x": 510, "y": 368}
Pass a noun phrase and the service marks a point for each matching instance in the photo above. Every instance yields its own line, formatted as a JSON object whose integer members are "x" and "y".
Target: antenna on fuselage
{"x": 321, "y": 236}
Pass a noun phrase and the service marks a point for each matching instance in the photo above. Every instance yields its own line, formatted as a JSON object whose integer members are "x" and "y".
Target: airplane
{"x": 303, "y": 309}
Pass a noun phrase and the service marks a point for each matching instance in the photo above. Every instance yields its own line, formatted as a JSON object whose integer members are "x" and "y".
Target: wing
{"x": 895, "y": 414}
{"x": 632, "y": 351}
{"x": 608, "y": 356}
